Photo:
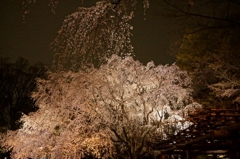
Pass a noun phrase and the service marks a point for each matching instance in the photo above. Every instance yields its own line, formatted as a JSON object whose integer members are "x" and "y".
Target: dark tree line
{"x": 208, "y": 48}
{"x": 17, "y": 81}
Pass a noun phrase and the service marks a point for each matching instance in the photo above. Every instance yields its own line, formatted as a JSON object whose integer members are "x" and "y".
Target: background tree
{"x": 120, "y": 109}
{"x": 17, "y": 81}
{"x": 212, "y": 59}
{"x": 208, "y": 48}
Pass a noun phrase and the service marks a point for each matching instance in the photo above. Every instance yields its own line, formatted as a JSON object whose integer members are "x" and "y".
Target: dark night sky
{"x": 31, "y": 40}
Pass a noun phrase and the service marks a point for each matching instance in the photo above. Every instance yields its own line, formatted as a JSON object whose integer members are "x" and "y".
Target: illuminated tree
{"x": 120, "y": 109}
{"x": 90, "y": 35}
{"x": 139, "y": 100}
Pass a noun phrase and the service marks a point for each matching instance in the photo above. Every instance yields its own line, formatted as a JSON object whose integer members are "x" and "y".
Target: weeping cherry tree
{"x": 121, "y": 109}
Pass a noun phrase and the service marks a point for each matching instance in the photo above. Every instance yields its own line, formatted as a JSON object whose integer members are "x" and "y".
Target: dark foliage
{"x": 17, "y": 81}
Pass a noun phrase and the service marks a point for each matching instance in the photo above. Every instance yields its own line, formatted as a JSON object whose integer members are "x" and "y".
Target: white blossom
{"x": 123, "y": 101}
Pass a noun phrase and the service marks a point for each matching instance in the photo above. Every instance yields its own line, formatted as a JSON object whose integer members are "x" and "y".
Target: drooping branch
{"x": 200, "y": 15}
{"x": 189, "y": 13}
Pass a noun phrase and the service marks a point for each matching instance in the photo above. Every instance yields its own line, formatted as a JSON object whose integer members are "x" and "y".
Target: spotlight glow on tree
{"x": 120, "y": 109}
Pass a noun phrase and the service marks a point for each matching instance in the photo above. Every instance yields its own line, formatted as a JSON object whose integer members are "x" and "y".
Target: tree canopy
{"x": 91, "y": 34}
{"x": 123, "y": 108}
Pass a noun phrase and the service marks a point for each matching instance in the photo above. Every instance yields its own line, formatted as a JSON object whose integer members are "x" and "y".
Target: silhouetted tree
{"x": 208, "y": 48}
{"x": 17, "y": 81}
